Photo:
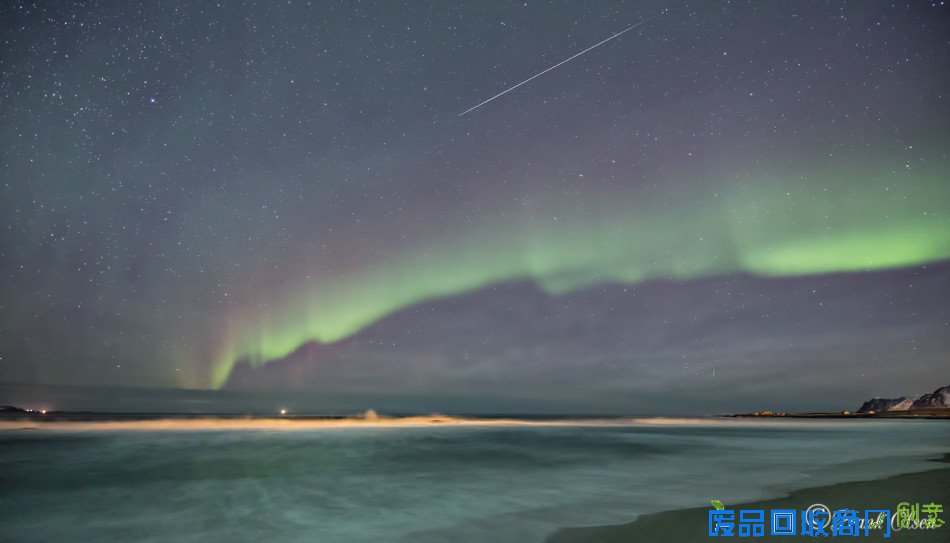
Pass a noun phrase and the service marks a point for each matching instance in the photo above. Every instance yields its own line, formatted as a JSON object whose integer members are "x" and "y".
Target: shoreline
{"x": 196, "y": 423}
{"x": 691, "y": 524}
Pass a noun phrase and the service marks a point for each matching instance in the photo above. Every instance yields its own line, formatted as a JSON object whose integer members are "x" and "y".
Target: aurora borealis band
{"x": 187, "y": 188}
{"x": 868, "y": 230}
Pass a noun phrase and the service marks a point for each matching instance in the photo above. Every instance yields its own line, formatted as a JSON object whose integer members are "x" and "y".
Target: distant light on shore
{"x": 283, "y": 411}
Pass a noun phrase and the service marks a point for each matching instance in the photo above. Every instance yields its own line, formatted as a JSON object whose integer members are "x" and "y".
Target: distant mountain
{"x": 938, "y": 398}
{"x": 881, "y": 405}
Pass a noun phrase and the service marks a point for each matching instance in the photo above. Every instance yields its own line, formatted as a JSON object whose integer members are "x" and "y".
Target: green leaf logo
{"x": 718, "y": 505}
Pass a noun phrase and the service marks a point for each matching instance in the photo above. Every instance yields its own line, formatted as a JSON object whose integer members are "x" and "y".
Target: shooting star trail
{"x": 539, "y": 74}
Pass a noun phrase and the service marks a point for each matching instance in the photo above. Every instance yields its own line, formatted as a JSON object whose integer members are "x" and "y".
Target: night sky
{"x": 747, "y": 199}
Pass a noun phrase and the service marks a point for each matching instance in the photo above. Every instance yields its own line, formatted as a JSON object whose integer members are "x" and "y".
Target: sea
{"x": 423, "y": 479}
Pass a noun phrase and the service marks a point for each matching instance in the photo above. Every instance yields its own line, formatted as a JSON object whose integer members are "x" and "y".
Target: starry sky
{"x": 284, "y": 196}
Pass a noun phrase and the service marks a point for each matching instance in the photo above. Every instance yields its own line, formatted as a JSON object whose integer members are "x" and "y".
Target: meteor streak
{"x": 539, "y": 74}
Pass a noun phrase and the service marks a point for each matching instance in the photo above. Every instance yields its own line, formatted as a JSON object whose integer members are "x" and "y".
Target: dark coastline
{"x": 689, "y": 525}
{"x": 928, "y": 413}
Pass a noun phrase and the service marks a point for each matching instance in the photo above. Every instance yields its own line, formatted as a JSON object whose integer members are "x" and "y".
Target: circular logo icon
{"x": 814, "y": 512}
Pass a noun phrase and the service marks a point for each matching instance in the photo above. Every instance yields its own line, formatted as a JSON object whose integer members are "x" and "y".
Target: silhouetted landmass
{"x": 938, "y": 398}
{"x": 932, "y": 413}
{"x": 888, "y": 404}
{"x": 935, "y": 405}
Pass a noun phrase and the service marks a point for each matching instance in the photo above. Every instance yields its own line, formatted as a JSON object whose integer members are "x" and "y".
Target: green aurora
{"x": 838, "y": 220}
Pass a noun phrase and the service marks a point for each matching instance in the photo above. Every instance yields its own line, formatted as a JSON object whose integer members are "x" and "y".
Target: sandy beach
{"x": 686, "y": 525}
